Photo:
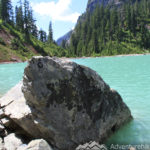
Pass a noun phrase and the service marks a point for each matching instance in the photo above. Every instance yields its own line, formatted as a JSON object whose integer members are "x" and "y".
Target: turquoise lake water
{"x": 129, "y": 75}
{"x": 10, "y": 75}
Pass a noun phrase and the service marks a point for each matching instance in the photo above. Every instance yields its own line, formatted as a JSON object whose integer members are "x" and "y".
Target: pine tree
{"x": 26, "y": 16}
{"x": 133, "y": 22}
{"x": 6, "y": 10}
{"x": 31, "y": 23}
{"x": 19, "y": 17}
{"x": 95, "y": 42}
{"x": 0, "y": 9}
{"x": 73, "y": 45}
{"x": 12, "y": 19}
{"x": 50, "y": 34}
{"x": 145, "y": 36}
{"x": 128, "y": 16}
{"x": 114, "y": 20}
{"x": 42, "y": 36}
{"x": 35, "y": 31}
{"x": 63, "y": 44}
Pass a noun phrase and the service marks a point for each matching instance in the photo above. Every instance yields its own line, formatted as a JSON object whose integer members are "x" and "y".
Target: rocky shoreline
{"x": 124, "y": 55}
{"x": 62, "y": 104}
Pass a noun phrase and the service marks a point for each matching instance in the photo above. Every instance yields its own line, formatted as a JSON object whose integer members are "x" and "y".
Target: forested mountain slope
{"x": 109, "y": 30}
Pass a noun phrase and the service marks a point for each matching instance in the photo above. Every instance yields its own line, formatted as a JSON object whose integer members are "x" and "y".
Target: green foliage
{"x": 25, "y": 49}
{"x": 19, "y": 17}
{"x": 16, "y": 44}
{"x": 6, "y": 11}
{"x": 42, "y": 36}
{"x": 112, "y": 31}
{"x": 24, "y": 40}
{"x": 50, "y": 34}
{"x": 2, "y": 41}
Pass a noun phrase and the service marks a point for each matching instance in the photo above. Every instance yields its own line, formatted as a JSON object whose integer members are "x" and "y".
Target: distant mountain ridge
{"x": 66, "y": 37}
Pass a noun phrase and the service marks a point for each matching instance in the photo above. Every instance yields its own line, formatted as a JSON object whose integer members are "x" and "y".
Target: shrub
{"x": 2, "y": 41}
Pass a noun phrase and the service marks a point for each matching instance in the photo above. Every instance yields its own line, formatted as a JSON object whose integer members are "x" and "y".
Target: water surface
{"x": 130, "y": 76}
{"x": 10, "y": 75}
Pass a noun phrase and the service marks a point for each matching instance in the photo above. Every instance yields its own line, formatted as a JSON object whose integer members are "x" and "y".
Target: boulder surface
{"x": 38, "y": 145}
{"x": 12, "y": 142}
{"x": 64, "y": 103}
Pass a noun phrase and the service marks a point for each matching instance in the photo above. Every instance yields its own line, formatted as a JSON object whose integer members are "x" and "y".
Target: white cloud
{"x": 58, "y": 11}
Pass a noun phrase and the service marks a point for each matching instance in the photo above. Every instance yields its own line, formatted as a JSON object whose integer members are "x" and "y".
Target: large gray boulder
{"x": 64, "y": 103}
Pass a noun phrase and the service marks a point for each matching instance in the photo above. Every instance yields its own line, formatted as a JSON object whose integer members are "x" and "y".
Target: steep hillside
{"x": 91, "y": 6}
{"x": 108, "y": 30}
{"x": 15, "y": 46}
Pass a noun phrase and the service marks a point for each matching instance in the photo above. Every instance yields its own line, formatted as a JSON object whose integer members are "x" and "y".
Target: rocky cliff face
{"x": 93, "y": 3}
{"x": 64, "y": 103}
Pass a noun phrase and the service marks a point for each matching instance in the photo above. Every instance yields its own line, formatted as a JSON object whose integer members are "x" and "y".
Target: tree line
{"x": 23, "y": 20}
{"x": 110, "y": 30}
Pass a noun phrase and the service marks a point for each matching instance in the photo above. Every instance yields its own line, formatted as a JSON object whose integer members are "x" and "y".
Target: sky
{"x": 62, "y": 13}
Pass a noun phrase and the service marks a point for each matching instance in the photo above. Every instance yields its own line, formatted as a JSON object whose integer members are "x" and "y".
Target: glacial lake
{"x": 129, "y": 75}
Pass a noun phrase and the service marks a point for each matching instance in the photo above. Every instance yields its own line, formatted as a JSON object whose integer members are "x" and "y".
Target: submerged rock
{"x": 64, "y": 103}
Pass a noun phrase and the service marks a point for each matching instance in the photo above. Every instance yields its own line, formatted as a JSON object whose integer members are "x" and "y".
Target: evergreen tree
{"x": 31, "y": 23}
{"x": 42, "y": 36}
{"x": 95, "y": 42}
{"x": 6, "y": 10}
{"x": 50, "y": 33}
{"x": 35, "y": 31}
{"x": 133, "y": 22}
{"x": 19, "y": 17}
{"x": 0, "y": 9}
{"x": 145, "y": 36}
{"x": 26, "y": 16}
{"x": 73, "y": 44}
{"x": 12, "y": 19}
{"x": 128, "y": 16}
{"x": 63, "y": 44}
{"x": 114, "y": 20}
